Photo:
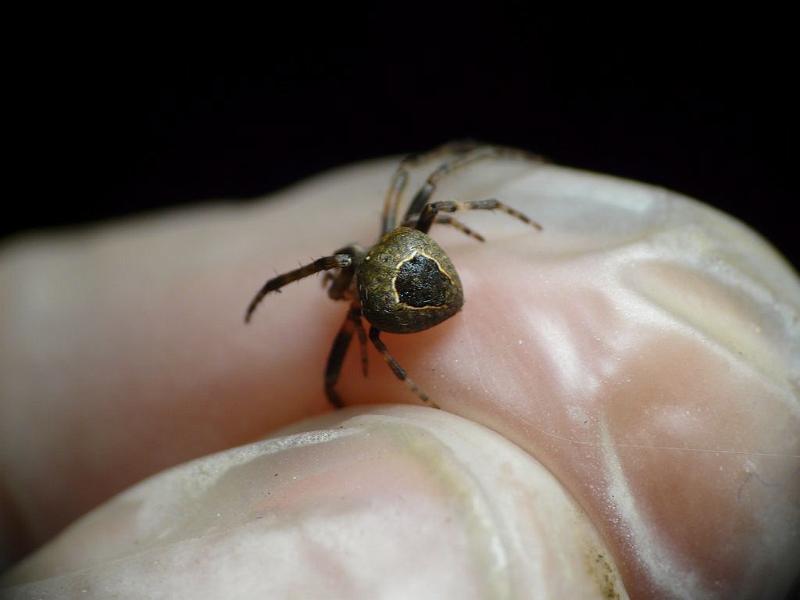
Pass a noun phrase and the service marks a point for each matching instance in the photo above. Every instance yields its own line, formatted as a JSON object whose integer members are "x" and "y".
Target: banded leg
{"x": 459, "y": 162}
{"x": 341, "y": 343}
{"x": 337, "y": 261}
{"x": 362, "y": 338}
{"x": 400, "y": 373}
{"x": 399, "y": 180}
{"x": 430, "y": 212}
{"x": 335, "y": 359}
{"x": 448, "y": 220}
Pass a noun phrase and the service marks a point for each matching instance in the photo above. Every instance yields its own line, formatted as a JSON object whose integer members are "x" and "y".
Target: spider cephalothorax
{"x": 404, "y": 283}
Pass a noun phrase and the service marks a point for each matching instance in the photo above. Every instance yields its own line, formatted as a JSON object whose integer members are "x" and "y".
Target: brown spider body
{"x": 405, "y": 283}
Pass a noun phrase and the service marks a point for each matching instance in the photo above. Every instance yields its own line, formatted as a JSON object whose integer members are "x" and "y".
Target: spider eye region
{"x": 420, "y": 282}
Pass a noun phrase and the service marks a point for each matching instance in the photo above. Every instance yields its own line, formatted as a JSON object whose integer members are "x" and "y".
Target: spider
{"x": 405, "y": 283}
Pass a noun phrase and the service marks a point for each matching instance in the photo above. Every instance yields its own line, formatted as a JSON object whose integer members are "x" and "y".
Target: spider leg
{"x": 355, "y": 315}
{"x": 352, "y": 323}
{"x": 335, "y": 359}
{"x": 400, "y": 373}
{"x": 393, "y": 194}
{"x": 429, "y": 213}
{"x": 456, "y": 163}
{"x": 448, "y": 220}
{"x": 341, "y": 283}
{"x": 337, "y": 261}
{"x": 399, "y": 180}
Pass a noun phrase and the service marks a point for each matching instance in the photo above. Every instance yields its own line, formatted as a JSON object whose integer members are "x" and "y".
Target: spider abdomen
{"x": 406, "y": 283}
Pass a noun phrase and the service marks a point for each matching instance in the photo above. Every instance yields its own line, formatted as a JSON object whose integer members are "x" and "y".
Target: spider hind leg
{"x": 400, "y": 372}
{"x": 333, "y": 368}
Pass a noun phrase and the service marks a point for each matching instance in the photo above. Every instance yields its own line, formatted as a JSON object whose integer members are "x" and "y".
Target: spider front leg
{"x": 429, "y": 213}
{"x": 400, "y": 373}
{"x": 343, "y": 259}
{"x": 458, "y": 162}
{"x": 391, "y": 203}
{"x": 352, "y": 323}
{"x": 455, "y": 223}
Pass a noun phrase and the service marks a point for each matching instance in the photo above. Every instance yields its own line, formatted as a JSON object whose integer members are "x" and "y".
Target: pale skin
{"x": 610, "y": 348}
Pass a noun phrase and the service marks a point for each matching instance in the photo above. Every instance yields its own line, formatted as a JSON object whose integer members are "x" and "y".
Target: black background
{"x": 128, "y": 116}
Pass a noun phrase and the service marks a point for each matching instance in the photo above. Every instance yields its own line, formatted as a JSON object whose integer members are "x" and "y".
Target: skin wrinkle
{"x": 730, "y": 354}
{"x": 532, "y": 425}
{"x": 469, "y": 474}
{"x": 466, "y": 489}
{"x": 635, "y": 299}
{"x": 663, "y": 565}
{"x": 673, "y": 310}
{"x": 617, "y": 445}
